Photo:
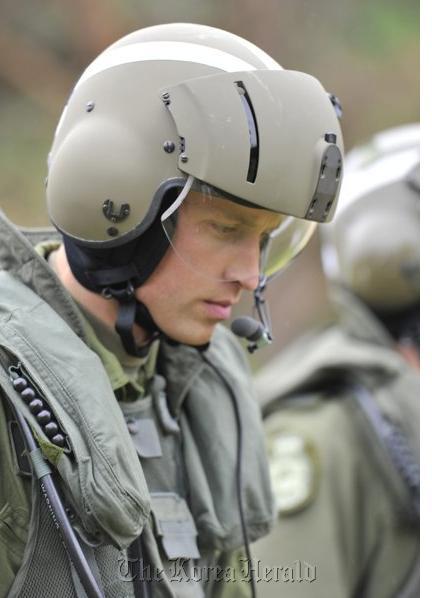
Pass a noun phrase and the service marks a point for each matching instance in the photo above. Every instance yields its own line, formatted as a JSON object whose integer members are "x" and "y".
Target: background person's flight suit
{"x": 341, "y": 405}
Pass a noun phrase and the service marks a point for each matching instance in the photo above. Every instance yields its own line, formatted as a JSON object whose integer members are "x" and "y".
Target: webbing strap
{"x": 124, "y": 323}
{"x": 396, "y": 444}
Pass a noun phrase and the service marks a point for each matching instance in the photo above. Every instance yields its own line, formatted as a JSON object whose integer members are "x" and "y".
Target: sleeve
{"x": 339, "y": 531}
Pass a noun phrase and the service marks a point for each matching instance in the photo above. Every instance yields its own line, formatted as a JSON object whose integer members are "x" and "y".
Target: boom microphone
{"x": 247, "y": 327}
{"x": 252, "y": 330}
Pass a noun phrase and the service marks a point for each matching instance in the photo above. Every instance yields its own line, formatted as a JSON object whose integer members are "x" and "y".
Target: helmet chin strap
{"x": 132, "y": 312}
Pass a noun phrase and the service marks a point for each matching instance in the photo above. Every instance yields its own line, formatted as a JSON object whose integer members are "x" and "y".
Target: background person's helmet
{"x": 372, "y": 246}
{"x": 182, "y": 103}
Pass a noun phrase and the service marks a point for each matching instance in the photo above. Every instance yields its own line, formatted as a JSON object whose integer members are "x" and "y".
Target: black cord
{"x": 239, "y": 476}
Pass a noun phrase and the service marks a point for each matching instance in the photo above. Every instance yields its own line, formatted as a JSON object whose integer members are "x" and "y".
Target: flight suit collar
{"x": 180, "y": 366}
{"x": 17, "y": 255}
{"x": 129, "y": 375}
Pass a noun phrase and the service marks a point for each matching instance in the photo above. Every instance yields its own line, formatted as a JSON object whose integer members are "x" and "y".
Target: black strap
{"x": 131, "y": 311}
{"x": 144, "y": 318}
{"x": 125, "y": 321}
{"x": 138, "y": 559}
{"x": 395, "y": 441}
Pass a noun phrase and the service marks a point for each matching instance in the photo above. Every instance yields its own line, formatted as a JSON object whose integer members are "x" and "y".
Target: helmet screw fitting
{"x": 112, "y": 231}
{"x": 108, "y": 209}
{"x": 166, "y": 98}
{"x": 184, "y": 158}
{"x": 90, "y": 106}
{"x": 330, "y": 137}
{"x": 169, "y": 147}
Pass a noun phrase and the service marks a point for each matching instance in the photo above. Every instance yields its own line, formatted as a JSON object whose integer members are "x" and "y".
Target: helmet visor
{"x": 224, "y": 239}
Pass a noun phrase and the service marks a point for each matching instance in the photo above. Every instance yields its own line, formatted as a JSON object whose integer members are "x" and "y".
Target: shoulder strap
{"x": 396, "y": 444}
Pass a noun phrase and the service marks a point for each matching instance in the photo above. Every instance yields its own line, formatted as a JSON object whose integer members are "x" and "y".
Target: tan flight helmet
{"x": 372, "y": 246}
{"x": 177, "y": 109}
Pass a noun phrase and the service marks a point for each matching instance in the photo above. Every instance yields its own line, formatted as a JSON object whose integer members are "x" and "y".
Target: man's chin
{"x": 196, "y": 339}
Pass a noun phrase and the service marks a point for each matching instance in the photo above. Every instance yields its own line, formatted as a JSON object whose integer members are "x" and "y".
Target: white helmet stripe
{"x": 181, "y": 51}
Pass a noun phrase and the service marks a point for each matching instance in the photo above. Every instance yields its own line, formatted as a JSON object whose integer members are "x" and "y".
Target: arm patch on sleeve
{"x": 294, "y": 470}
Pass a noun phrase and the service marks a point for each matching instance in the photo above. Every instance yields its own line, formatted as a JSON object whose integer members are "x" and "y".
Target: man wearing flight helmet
{"x": 187, "y": 166}
{"x": 341, "y": 404}
{"x": 381, "y": 200}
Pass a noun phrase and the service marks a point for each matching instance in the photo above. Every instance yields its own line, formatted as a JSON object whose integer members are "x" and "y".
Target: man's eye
{"x": 223, "y": 229}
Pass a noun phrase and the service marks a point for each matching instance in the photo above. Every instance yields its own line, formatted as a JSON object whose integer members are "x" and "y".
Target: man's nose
{"x": 250, "y": 283}
{"x": 244, "y": 266}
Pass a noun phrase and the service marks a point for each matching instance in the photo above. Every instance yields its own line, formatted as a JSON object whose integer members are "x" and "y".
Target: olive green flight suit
{"x": 346, "y": 526}
{"x": 153, "y": 445}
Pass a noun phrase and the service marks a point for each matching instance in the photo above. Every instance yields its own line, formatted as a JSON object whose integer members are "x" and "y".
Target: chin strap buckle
{"x": 122, "y": 294}
{"x": 131, "y": 312}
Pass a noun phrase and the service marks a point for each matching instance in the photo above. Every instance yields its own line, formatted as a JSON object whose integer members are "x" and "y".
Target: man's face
{"x": 214, "y": 256}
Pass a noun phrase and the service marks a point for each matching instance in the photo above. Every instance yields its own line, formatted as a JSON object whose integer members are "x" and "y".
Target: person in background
{"x": 341, "y": 403}
{"x": 378, "y": 257}
{"x": 186, "y": 166}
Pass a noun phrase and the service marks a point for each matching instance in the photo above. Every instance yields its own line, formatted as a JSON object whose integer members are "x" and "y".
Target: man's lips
{"x": 219, "y": 310}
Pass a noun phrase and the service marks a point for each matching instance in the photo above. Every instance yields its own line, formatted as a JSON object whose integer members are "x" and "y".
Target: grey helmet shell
{"x": 119, "y": 145}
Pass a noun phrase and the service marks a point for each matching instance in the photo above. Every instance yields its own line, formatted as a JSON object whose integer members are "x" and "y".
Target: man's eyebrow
{"x": 248, "y": 221}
